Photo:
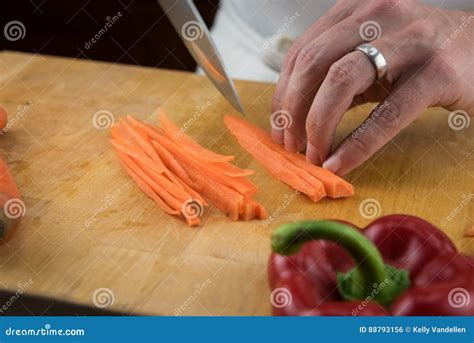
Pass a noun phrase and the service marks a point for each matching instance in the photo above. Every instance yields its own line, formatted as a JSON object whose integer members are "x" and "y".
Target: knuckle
{"x": 306, "y": 57}
{"x": 389, "y": 118}
{"x": 361, "y": 146}
{"x": 342, "y": 74}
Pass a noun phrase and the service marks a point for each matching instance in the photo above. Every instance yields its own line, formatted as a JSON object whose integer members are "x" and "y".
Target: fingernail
{"x": 333, "y": 164}
{"x": 290, "y": 142}
{"x": 312, "y": 154}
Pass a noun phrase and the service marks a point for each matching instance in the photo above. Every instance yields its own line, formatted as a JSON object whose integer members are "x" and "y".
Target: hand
{"x": 429, "y": 52}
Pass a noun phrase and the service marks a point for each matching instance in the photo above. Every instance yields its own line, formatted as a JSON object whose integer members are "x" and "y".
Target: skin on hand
{"x": 430, "y": 63}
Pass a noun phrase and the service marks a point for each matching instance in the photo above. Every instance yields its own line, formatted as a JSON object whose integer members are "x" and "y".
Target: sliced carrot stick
{"x": 187, "y": 143}
{"x": 194, "y": 194}
{"x": 282, "y": 169}
{"x": 335, "y": 186}
{"x": 159, "y": 190}
{"x": 12, "y": 206}
{"x": 174, "y": 166}
{"x": 231, "y": 170}
{"x": 239, "y": 184}
{"x": 147, "y": 190}
{"x": 251, "y": 209}
{"x": 136, "y": 154}
{"x": 221, "y": 196}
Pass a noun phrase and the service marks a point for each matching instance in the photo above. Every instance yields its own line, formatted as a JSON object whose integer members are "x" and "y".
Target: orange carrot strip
{"x": 147, "y": 189}
{"x": 188, "y": 144}
{"x": 251, "y": 209}
{"x": 9, "y": 192}
{"x": 159, "y": 190}
{"x": 222, "y": 197}
{"x": 335, "y": 186}
{"x": 281, "y": 168}
{"x": 231, "y": 170}
{"x": 239, "y": 184}
{"x": 137, "y": 155}
{"x": 173, "y": 165}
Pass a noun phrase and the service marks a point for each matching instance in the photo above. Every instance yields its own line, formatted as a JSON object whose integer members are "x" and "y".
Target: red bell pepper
{"x": 398, "y": 265}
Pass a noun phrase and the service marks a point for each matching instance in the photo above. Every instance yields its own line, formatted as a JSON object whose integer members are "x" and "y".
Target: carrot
{"x": 282, "y": 169}
{"x": 147, "y": 190}
{"x": 11, "y": 203}
{"x": 174, "y": 166}
{"x": 335, "y": 186}
{"x": 231, "y": 170}
{"x": 239, "y": 184}
{"x": 170, "y": 200}
{"x": 250, "y": 209}
{"x": 188, "y": 144}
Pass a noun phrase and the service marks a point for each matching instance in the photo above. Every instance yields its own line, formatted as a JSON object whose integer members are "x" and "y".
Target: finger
{"x": 333, "y": 16}
{"x": 350, "y": 78}
{"x": 310, "y": 69}
{"x": 386, "y": 120}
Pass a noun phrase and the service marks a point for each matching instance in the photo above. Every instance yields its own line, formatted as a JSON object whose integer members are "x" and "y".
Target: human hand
{"x": 429, "y": 53}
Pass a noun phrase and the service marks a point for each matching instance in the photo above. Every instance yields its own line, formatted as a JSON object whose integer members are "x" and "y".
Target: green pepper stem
{"x": 370, "y": 272}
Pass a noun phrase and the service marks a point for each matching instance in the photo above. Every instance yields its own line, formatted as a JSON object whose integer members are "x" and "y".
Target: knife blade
{"x": 195, "y": 35}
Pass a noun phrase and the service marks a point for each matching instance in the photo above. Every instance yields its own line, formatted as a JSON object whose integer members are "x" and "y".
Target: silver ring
{"x": 377, "y": 59}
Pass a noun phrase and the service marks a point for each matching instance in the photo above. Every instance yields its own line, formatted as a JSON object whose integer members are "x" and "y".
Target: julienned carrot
{"x": 281, "y": 168}
{"x": 221, "y": 196}
{"x": 172, "y": 174}
{"x": 136, "y": 154}
{"x": 174, "y": 166}
{"x": 239, "y": 184}
{"x": 188, "y": 144}
{"x": 159, "y": 190}
{"x": 147, "y": 190}
{"x": 335, "y": 186}
{"x": 10, "y": 201}
{"x": 144, "y": 143}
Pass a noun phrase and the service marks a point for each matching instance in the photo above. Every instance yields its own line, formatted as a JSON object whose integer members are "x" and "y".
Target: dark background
{"x": 142, "y": 36}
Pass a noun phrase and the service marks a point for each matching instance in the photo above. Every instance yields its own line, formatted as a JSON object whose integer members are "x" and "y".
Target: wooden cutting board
{"x": 88, "y": 228}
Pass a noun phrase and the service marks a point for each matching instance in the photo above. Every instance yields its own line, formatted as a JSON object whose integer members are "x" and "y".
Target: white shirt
{"x": 253, "y": 35}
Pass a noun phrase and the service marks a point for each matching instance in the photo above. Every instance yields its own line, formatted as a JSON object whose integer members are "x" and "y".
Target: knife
{"x": 190, "y": 26}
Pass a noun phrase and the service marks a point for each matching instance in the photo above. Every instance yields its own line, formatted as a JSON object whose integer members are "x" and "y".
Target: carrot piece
{"x": 335, "y": 186}
{"x": 194, "y": 194}
{"x": 231, "y": 170}
{"x": 136, "y": 154}
{"x": 239, "y": 184}
{"x": 281, "y": 168}
{"x": 188, "y": 144}
{"x": 159, "y": 190}
{"x": 251, "y": 209}
{"x": 13, "y": 207}
{"x": 221, "y": 196}
{"x": 144, "y": 142}
{"x": 173, "y": 165}
{"x": 147, "y": 189}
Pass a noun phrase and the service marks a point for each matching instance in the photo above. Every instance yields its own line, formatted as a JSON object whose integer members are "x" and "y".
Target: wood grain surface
{"x": 90, "y": 237}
